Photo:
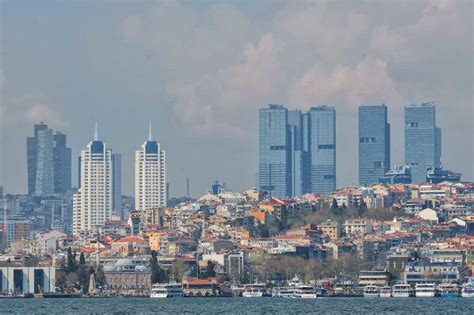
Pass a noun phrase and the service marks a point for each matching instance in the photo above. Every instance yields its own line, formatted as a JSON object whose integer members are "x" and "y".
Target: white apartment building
{"x": 93, "y": 204}
{"x": 150, "y": 176}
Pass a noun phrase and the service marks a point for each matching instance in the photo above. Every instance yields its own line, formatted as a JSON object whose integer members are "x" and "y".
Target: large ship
{"x": 166, "y": 290}
{"x": 425, "y": 290}
{"x": 448, "y": 290}
{"x": 371, "y": 291}
{"x": 283, "y": 292}
{"x": 254, "y": 290}
{"x": 401, "y": 291}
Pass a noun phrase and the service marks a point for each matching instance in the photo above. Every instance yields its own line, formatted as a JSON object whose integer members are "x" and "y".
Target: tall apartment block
{"x": 422, "y": 140}
{"x": 150, "y": 176}
{"x": 374, "y": 143}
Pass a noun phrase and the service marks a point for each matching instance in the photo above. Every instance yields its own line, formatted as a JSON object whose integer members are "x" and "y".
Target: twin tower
{"x": 99, "y": 193}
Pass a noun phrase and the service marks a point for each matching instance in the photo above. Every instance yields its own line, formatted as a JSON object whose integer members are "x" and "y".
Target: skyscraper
{"x": 93, "y": 203}
{"x": 39, "y": 151}
{"x": 297, "y": 151}
{"x": 117, "y": 185}
{"x": 422, "y": 140}
{"x": 61, "y": 164}
{"x": 374, "y": 143}
{"x": 150, "y": 176}
{"x": 274, "y": 151}
{"x": 320, "y": 135}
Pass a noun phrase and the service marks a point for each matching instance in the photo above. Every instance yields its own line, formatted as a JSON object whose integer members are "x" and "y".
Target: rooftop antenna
{"x": 150, "y": 136}
{"x": 96, "y": 133}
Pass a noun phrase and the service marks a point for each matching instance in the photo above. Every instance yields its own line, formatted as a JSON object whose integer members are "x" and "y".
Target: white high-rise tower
{"x": 150, "y": 176}
{"x": 93, "y": 204}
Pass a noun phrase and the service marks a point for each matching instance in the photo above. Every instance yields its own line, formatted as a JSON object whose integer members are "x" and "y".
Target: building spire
{"x": 150, "y": 136}
{"x": 96, "y": 133}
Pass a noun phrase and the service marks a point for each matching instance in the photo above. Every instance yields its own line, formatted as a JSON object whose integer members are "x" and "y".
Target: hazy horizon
{"x": 200, "y": 72}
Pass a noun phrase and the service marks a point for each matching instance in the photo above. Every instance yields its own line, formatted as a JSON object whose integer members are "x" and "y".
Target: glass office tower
{"x": 61, "y": 164}
{"x": 374, "y": 143}
{"x": 274, "y": 151}
{"x": 422, "y": 140}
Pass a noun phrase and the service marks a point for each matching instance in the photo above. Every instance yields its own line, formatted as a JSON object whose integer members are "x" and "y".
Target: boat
{"x": 371, "y": 291}
{"x": 303, "y": 291}
{"x": 468, "y": 290}
{"x": 283, "y": 292}
{"x": 254, "y": 290}
{"x": 425, "y": 290}
{"x": 166, "y": 290}
{"x": 385, "y": 292}
{"x": 448, "y": 290}
{"x": 401, "y": 291}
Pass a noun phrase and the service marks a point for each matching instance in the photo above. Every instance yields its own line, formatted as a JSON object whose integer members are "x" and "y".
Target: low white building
{"x": 27, "y": 280}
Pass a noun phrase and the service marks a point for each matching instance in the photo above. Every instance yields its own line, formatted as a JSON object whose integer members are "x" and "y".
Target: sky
{"x": 200, "y": 70}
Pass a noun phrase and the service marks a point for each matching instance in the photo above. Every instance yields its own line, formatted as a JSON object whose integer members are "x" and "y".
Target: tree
{"x": 158, "y": 275}
{"x": 210, "y": 272}
{"x": 178, "y": 270}
{"x": 82, "y": 259}
{"x": 100, "y": 276}
{"x": 71, "y": 262}
{"x": 334, "y": 205}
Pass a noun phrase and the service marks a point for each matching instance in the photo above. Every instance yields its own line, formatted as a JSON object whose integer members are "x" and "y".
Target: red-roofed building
{"x": 130, "y": 245}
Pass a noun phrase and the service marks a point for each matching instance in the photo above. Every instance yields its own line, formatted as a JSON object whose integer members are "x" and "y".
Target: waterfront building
{"x": 61, "y": 164}
{"x": 320, "y": 137}
{"x": 93, "y": 203}
{"x": 274, "y": 151}
{"x": 150, "y": 176}
{"x": 27, "y": 280}
{"x": 422, "y": 140}
{"x": 398, "y": 175}
{"x": 374, "y": 143}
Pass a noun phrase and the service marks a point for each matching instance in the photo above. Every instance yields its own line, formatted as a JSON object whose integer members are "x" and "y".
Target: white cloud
{"x": 45, "y": 113}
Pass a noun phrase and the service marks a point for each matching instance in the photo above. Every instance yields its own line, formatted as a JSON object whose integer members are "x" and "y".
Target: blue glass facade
{"x": 422, "y": 140}
{"x": 274, "y": 151}
{"x": 374, "y": 143}
{"x": 321, "y": 137}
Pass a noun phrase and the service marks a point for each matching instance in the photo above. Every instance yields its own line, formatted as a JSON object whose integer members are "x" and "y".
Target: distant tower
{"x": 93, "y": 203}
{"x": 39, "y": 151}
{"x": 188, "y": 194}
{"x": 150, "y": 176}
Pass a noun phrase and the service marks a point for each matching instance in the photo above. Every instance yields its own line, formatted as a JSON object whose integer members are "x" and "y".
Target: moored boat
{"x": 254, "y": 290}
{"x": 283, "y": 292}
{"x": 468, "y": 290}
{"x": 425, "y": 290}
{"x": 371, "y": 291}
{"x": 303, "y": 291}
{"x": 385, "y": 292}
{"x": 448, "y": 290}
{"x": 401, "y": 291}
{"x": 166, "y": 290}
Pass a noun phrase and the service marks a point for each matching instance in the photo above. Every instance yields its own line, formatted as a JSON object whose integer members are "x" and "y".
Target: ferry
{"x": 468, "y": 290}
{"x": 371, "y": 291}
{"x": 401, "y": 291}
{"x": 425, "y": 290}
{"x": 385, "y": 292}
{"x": 254, "y": 290}
{"x": 448, "y": 290}
{"x": 304, "y": 292}
{"x": 283, "y": 292}
{"x": 166, "y": 290}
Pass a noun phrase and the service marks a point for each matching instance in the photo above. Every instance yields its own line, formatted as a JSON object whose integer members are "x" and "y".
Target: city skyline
{"x": 116, "y": 69}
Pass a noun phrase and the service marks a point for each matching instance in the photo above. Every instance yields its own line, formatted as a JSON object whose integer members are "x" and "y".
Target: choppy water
{"x": 238, "y": 306}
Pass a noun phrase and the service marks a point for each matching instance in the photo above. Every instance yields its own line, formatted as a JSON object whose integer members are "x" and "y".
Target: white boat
{"x": 283, "y": 292}
{"x": 385, "y": 292}
{"x": 303, "y": 291}
{"x": 166, "y": 290}
{"x": 468, "y": 290}
{"x": 254, "y": 290}
{"x": 371, "y": 291}
{"x": 401, "y": 291}
{"x": 425, "y": 290}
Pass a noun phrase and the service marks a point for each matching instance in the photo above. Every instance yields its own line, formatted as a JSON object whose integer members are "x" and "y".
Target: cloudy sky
{"x": 201, "y": 69}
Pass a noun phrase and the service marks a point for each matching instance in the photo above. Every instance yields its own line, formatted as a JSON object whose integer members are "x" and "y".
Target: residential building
{"x": 117, "y": 185}
{"x": 331, "y": 229}
{"x": 422, "y": 140}
{"x": 150, "y": 176}
{"x": 93, "y": 203}
{"x": 374, "y": 143}
{"x": 358, "y": 226}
